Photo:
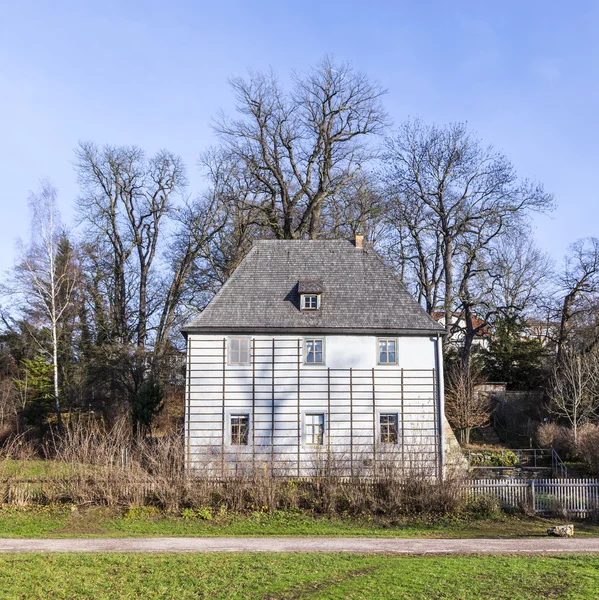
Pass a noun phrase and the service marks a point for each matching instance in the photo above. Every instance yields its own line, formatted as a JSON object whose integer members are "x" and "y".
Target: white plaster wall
{"x": 250, "y": 389}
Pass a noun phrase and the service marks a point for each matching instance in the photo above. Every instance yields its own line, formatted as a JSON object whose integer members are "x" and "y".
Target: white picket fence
{"x": 578, "y": 497}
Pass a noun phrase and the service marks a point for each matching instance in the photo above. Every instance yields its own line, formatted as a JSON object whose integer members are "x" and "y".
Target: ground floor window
{"x": 240, "y": 427}
{"x": 314, "y": 433}
{"x": 389, "y": 428}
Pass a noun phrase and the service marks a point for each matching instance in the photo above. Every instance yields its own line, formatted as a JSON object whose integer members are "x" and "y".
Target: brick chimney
{"x": 359, "y": 242}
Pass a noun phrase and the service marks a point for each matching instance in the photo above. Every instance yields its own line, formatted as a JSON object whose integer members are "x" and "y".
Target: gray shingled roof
{"x": 360, "y": 293}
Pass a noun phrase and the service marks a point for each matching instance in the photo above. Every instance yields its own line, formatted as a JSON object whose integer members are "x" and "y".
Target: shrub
{"x": 94, "y": 465}
{"x": 493, "y": 458}
{"x": 588, "y": 445}
{"x": 484, "y": 506}
{"x": 551, "y": 435}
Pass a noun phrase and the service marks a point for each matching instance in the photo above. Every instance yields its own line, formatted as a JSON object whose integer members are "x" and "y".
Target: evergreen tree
{"x": 514, "y": 359}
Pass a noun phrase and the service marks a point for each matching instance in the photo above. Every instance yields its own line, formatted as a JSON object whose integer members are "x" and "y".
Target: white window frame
{"x": 230, "y": 413}
{"x": 303, "y": 303}
{"x": 230, "y": 360}
{"x": 381, "y": 413}
{"x": 305, "y": 425}
{"x": 378, "y": 350}
{"x": 306, "y": 340}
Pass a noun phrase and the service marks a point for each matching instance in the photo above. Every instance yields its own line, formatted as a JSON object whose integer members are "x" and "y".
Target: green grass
{"x": 249, "y": 576}
{"x": 25, "y": 469}
{"x": 139, "y": 522}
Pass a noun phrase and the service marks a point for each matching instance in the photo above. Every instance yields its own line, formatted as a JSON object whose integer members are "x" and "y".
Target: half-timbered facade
{"x": 313, "y": 358}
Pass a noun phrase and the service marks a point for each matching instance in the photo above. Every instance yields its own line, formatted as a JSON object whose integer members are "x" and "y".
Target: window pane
{"x": 234, "y": 358}
{"x": 382, "y": 351}
{"x": 391, "y": 351}
{"x": 244, "y": 354}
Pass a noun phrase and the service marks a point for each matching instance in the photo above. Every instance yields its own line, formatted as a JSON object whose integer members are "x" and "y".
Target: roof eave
{"x": 316, "y": 330}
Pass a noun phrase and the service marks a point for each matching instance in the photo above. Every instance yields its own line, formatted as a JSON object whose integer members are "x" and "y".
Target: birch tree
{"x": 45, "y": 282}
{"x": 574, "y": 388}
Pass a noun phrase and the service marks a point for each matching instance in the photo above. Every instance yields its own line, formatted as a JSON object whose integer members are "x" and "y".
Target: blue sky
{"x": 523, "y": 74}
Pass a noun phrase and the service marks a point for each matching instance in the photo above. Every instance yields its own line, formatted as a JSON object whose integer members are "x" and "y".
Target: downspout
{"x": 441, "y": 405}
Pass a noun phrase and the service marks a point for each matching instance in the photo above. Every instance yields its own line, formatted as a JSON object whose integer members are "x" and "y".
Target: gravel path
{"x": 281, "y": 544}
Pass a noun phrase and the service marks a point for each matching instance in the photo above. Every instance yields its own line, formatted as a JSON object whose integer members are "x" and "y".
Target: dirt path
{"x": 273, "y": 544}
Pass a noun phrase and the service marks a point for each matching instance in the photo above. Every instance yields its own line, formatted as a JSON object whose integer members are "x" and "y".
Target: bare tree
{"x": 521, "y": 273}
{"x": 465, "y": 406}
{"x": 579, "y": 283}
{"x": 124, "y": 199}
{"x": 46, "y": 281}
{"x": 299, "y": 149}
{"x": 451, "y": 198}
{"x": 574, "y": 388}
{"x": 200, "y": 222}
{"x": 359, "y": 208}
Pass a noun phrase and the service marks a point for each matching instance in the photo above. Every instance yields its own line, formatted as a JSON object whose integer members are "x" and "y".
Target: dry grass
{"x": 108, "y": 467}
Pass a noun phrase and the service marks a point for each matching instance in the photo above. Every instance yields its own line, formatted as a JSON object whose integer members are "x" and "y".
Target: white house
{"x": 313, "y": 357}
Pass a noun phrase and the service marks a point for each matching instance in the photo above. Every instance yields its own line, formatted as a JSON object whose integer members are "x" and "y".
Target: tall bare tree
{"x": 579, "y": 284}
{"x": 452, "y": 198}
{"x": 125, "y": 197}
{"x": 300, "y": 148}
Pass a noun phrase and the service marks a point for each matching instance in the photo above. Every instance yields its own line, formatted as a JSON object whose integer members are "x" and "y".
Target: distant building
{"x": 456, "y": 338}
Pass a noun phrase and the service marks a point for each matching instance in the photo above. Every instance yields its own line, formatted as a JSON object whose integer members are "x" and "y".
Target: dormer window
{"x": 310, "y": 292}
{"x": 310, "y": 301}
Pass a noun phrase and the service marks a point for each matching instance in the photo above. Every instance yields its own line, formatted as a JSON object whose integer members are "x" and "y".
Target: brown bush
{"x": 588, "y": 445}
{"x": 552, "y": 435}
{"x": 92, "y": 465}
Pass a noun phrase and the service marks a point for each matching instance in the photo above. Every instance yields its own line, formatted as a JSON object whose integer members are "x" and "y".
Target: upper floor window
{"x": 310, "y": 301}
{"x": 239, "y": 351}
{"x": 387, "y": 351}
{"x": 313, "y": 352}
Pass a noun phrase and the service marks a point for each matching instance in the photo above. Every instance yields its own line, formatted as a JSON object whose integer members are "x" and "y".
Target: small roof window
{"x": 310, "y": 291}
{"x": 310, "y": 301}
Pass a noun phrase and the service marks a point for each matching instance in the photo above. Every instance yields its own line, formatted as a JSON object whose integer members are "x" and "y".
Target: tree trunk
{"x": 563, "y": 333}
{"x": 448, "y": 267}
